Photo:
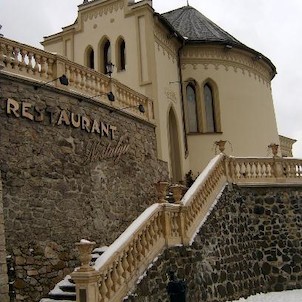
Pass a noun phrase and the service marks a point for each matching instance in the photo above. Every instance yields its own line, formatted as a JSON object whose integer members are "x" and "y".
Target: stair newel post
{"x": 277, "y": 165}
{"x": 166, "y": 224}
{"x": 86, "y": 277}
{"x": 161, "y": 188}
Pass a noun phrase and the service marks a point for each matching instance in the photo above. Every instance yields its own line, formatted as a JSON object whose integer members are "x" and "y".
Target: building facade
{"x": 206, "y": 85}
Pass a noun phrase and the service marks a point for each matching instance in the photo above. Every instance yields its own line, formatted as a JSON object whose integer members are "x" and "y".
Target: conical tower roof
{"x": 194, "y": 26}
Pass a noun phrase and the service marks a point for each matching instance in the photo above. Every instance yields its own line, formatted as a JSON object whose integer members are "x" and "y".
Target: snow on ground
{"x": 285, "y": 296}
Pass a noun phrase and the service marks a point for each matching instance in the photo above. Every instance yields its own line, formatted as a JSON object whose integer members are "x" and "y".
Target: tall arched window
{"x": 89, "y": 57}
{"x": 192, "y": 108}
{"x": 121, "y": 54}
{"x": 209, "y": 109}
{"x": 106, "y": 55}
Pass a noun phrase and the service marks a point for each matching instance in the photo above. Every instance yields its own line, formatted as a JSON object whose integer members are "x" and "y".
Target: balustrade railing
{"x": 265, "y": 170}
{"x": 165, "y": 224}
{"x": 40, "y": 66}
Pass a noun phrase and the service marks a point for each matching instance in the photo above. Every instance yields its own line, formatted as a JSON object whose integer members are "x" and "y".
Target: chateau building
{"x": 206, "y": 85}
{"x": 87, "y": 151}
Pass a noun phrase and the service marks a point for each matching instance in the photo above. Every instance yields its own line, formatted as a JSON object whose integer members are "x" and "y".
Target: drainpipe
{"x": 182, "y": 99}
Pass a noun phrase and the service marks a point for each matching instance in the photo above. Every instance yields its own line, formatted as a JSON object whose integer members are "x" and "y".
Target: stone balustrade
{"x": 42, "y": 67}
{"x": 164, "y": 224}
{"x": 265, "y": 170}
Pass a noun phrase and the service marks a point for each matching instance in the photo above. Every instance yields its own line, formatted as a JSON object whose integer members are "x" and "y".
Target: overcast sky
{"x": 272, "y": 27}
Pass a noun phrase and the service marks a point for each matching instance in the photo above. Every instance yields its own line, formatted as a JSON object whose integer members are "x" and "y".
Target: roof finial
{"x": 188, "y": 3}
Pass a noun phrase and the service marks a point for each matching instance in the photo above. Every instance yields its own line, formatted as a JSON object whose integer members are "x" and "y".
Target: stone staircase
{"x": 65, "y": 290}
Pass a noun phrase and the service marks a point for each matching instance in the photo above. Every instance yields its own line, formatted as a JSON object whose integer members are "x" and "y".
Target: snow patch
{"x": 285, "y": 296}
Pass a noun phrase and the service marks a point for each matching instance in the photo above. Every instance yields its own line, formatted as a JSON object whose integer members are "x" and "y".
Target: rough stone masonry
{"x": 250, "y": 243}
{"x": 71, "y": 169}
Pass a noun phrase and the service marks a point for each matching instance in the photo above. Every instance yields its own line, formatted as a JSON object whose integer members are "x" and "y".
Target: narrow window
{"x": 192, "y": 108}
{"x": 106, "y": 55}
{"x": 209, "y": 109}
{"x": 90, "y": 58}
{"x": 122, "y": 50}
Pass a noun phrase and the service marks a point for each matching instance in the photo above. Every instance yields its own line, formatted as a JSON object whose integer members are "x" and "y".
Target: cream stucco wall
{"x": 246, "y": 106}
{"x": 168, "y": 98}
{"x": 152, "y": 68}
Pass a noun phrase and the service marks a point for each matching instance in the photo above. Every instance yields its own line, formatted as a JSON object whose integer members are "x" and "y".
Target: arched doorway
{"x": 175, "y": 163}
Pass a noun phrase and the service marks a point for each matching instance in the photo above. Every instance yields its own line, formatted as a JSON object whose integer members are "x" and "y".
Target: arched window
{"x": 209, "y": 109}
{"x": 89, "y": 57}
{"x": 121, "y": 54}
{"x": 106, "y": 55}
{"x": 192, "y": 108}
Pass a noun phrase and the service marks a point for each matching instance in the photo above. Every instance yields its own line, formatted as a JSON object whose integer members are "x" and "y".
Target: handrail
{"x": 163, "y": 224}
{"x": 34, "y": 64}
{"x": 255, "y": 171}
{"x": 160, "y": 226}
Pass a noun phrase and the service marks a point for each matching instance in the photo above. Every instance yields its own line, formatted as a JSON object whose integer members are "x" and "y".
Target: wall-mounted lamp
{"x": 140, "y": 108}
{"x": 109, "y": 95}
{"x": 109, "y": 68}
{"x": 63, "y": 80}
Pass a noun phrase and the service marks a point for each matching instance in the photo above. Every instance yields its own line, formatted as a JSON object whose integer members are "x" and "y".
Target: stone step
{"x": 65, "y": 290}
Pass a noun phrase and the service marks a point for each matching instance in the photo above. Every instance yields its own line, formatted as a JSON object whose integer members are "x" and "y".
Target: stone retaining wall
{"x": 251, "y": 243}
{"x": 62, "y": 183}
{"x": 3, "y": 267}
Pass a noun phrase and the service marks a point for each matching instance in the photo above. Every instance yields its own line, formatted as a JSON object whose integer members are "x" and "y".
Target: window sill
{"x": 203, "y": 133}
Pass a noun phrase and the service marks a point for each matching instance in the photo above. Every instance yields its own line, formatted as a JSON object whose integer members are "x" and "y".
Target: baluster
{"x": 148, "y": 235}
{"x": 137, "y": 252}
{"x": 109, "y": 284}
{"x": 243, "y": 170}
{"x": 290, "y": 170}
{"x": 43, "y": 67}
{"x": 269, "y": 170}
{"x": 82, "y": 80}
{"x": 30, "y": 65}
{"x": 263, "y": 171}
{"x": 298, "y": 171}
{"x": 38, "y": 64}
{"x": 130, "y": 259}
{"x": 125, "y": 266}
{"x": 103, "y": 290}
{"x": 50, "y": 63}
{"x": 87, "y": 82}
{"x": 22, "y": 63}
{"x": 77, "y": 78}
{"x": 93, "y": 84}
{"x": 248, "y": 170}
{"x": 15, "y": 61}
{"x": 145, "y": 243}
{"x": 9, "y": 55}
{"x": 71, "y": 72}
{"x": 258, "y": 170}
{"x": 237, "y": 170}
{"x": 253, "y": 170}
{"x": 115, "y": 277}
{"x": 2, "y": 54}
{"x": 120, "y": 270}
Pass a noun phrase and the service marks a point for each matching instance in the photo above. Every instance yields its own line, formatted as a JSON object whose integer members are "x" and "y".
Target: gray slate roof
{"x": 194, "y": 26}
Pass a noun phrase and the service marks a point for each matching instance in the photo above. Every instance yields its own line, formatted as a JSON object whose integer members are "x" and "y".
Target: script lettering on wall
{"x": 95, "y": 151}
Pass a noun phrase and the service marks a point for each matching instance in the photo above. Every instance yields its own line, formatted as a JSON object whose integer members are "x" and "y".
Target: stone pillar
{"x": 86, "y": 277}
{"x": 3, "y": 267}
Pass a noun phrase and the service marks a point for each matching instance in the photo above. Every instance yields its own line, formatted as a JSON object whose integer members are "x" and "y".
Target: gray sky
{"x": 272, "y": 27}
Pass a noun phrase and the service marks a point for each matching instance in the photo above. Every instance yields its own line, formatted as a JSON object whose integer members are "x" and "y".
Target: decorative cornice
{"x": 219, "y": 57}
{"x": 103, "y": 9}
{"x": 164, "y": 43}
